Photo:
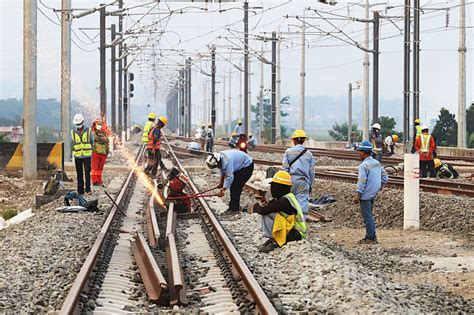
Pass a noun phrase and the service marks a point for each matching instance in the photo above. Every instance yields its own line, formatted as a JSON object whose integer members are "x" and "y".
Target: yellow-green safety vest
{"x": 300, "y": 225}
{"x": 146, "y": 130}
{"x": 418, "y": 131}
{"x": 81, "y": 147}
{"x": 425, "y": 143}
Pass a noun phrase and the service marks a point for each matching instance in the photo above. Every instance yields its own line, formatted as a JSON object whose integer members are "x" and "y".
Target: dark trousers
{"x": 154, "y": 159}
{"x": 427, "y": 166}
{"x": 366, "y": 207}
{"x": 209, "y": 145}
{"x": 240, "y": 178}
{"x": 83, "y": 166}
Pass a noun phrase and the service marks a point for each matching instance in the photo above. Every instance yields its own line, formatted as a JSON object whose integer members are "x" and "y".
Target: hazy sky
{"x": 331, "y": 63}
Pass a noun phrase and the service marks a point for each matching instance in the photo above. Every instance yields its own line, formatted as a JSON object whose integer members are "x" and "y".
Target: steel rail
{"x": 152, "y": 224}
{"x": 70, "y": 304}
{"x": 263, "y": 304}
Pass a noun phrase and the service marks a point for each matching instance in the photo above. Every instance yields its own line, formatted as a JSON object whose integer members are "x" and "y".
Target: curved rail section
{"x": 263, "y": 304}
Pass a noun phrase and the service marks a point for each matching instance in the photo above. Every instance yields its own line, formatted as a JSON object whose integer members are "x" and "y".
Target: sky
{"x": 331, "y": 63}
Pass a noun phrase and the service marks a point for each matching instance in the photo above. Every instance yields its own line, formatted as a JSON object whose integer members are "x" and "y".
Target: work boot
{"x": 368, "y": 241}
{"x": 268, "y": 246}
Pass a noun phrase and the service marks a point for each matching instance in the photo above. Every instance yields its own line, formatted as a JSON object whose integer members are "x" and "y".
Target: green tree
{"x": 267, "y": 116}
{"x": 47, "y": 135}
{"x": 470, "y": 126}
{"x": 387, "y": 125}
{"x": 339, "y": 132}
{"x": 446, "y": 129}
{"x": 3, "y": 138}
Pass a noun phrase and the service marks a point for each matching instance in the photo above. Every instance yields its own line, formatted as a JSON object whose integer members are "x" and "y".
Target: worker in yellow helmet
{"x": 155, "y": 136}
{"x": 389, "y": 143}
{"x": 300, "y": 163}
{"x": 282, "y": 217}
{"x": 146, "y": 128}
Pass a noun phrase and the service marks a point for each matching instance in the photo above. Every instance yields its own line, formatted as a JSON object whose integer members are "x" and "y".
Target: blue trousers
{"x": 366, "y": 211}
{"x": 300, "y": 189}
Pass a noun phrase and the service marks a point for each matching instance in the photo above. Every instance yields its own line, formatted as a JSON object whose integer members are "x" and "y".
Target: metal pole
{"x": 416, "y": 61}
{"x": 113, "y": 104}
{"x": 365, "y": 114}
{"x": 375, "y": 108}
{"x": 249, "y": 95}
{"x": 274, "y": 100}
{"x": 240, "y": 92}
{"x": 462, "y": 77}
{"x": 262, "y": 74}
{"x": 349, "y": 117}
{"x": 125, "y": 93}
{"x": 406, "y": 77}
{"x": 278, "y": 93}
{"x": 213, "y": 88}
{"x": 66, "y": 78}
{"x": 229, "y": 105}
{"x": 223, "y": 105}
{"x": 302, "y": 75}
{"x": 103, "y": 95}
{"x": 120, "y": 85}
{"x": 188, "y": 61}
{"x": 246, "y": 68}
{"x": 29, "y": 88}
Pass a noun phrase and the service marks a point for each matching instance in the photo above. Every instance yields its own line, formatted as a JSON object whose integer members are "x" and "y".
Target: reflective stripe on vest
{"x": 425, "y": 143}
{"x": 81, "y": 145}
{"x": 300, "y": 225}
{"x": 152, "y": 143}
{"x": 146, "y": 130}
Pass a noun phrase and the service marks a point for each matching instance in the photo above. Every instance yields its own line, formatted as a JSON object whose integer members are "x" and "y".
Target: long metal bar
{"x": 103, "y": 94}
{"x": 66, "y": 78}
{"x": 406, "y": 77}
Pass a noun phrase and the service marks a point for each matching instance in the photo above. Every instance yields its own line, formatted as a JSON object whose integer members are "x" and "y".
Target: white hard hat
{"x": 424, "y": 127}
{"x": 376, "y": 126}
{"x": 78, "y": 119}
{"x": 213, "y": 160}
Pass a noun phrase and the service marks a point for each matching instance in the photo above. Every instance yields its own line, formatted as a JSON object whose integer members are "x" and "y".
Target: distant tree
{"x": 267, "y": 116}
{"x": 339, "y": 132}
{"x": 47, "y": 135}
{"x": 446, "y": 129}
{"x": 470, "y": 126}
{"x": 387, "y": 125}
{"x": 3, "y": 138}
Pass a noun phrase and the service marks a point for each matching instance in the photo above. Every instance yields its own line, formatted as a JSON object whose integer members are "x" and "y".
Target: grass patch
{"x": 8, "y": 213}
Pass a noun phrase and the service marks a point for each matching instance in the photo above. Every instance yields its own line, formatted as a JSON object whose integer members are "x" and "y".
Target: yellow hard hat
{"x": 282, "y": 177}
{"x": 234, "y": 133}
{"x": 163, "y": 119}
{"x": 418, "y": 121}
{"x": 250, "y": 135}
{"x": 151, "y": 116}
{"x": 395, "y": 138}
{"x": 239, "y": 121}
{"x": 203, "y": 125}
{"x": 437, "y": 163}
{"x": 298, "y": 134}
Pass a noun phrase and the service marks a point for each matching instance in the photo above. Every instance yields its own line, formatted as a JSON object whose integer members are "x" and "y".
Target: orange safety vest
{"x": 152, "y": 142}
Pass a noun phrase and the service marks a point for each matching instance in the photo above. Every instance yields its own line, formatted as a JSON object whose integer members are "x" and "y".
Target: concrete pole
{"x": 249, "y": 96}
{"x": 462, "y": 76}
{"x": 375, "y": 75}
{"x": 406, "y": 77}
{"x": 204, "y": 103}
{"x": 113, "y": 105}
{"x": 66, "y": 78}
{"x": 188, "y": 61}
{"x": 29, "y": 88}
{"x": 213, "y": 89}
{"x": 246, "y": 70}
{"x": 278, "y": 93}
{"x": 120, "y": 85}
{"x": 262, "y": 80}
{"x": 416, "y": 61}
{"x": 411, "y": 191}
{"x": 103, "y": 94}
{"x": 274, "y": 100}
{"x": 229, "y": 105}
{"x": 349, "y": 117}
{"x": 224, "y": 125}
{"x": 365, "y": 113}
{"x": 302, "y": 75}
{"x": 240, "y": 92}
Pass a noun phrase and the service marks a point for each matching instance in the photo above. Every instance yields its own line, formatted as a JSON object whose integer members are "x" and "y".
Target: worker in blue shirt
{"x": 238, "y": 128}
{"x": 300, "y": 162}
{"x": 252, "y": 142}
{"x": 371, "y": 177}
{"x": 236, "y": 169}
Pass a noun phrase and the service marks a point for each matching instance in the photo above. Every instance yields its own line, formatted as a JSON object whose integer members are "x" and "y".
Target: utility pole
{"x": 103, "y": 95}
{"x": 213, "y": 88}
{"x": 66, "y": 78}
{"x": 274, "y": 100}
{"x": 223, "y": 104}
{"x": 462, "y": 76}
{"x": 416, "y": 60}
{"x": 240, "y": 92}
{"x": 29, "y": 88}
{"x": 406, "y": 77}
{"x": 249, "y": 96}
{"x": 302, "y": 74}
{"x": 188, "y": 69}
{"x": 365, "y": 114}
{"x": 278, "y": 92}
{"x": 229, "y": 105}
{"x": 349, "y": 117}
{"x": 246, "y": 69}
{"x": 182, "y": 127}
{"x": 262, "y": 80}
{"x": 185, "y": 120}
{"x": 125, "y": 94}
{"x": 375, "y": 102}
{"x": 120, "y": 85}
{"x": 113, "y": 104}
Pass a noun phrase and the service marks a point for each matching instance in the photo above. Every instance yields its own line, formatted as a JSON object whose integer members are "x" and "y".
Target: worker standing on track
{"x": 203, "y": 137}
{"x": 418, "y": 133}
{"x": 425, "y": 145}
{"x": 377, "y": 142}
{"x": 371, "y": 177}
{"x": 209, "y": 138}
{"x": 238, "y": 128}
{"x": 236, "y": 169}
{"x": 82, "y": 143}
{"x": 148, "y": 125}
{"x": 389, "y": 143}
{"x": 155, "y": 137}
{"x": 100, "y": 150}
{"x": 252, "y": 142}
{"x": 299, "y": 163}
{"x": 282, "y": 217}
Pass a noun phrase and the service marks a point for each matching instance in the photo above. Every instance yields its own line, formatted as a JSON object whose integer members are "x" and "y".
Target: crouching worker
{"x": 282, "y": 217}
{"x": 444, "y": 170}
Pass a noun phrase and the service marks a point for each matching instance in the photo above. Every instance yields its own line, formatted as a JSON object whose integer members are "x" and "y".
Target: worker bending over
{"x": 425, "y": 145}
{"x": 371, "y": 177}
{"x": 299, "y": 162}
{"x": 148, "y": 125}
{"x": 444, "y": 170}
{"x": 389, "y": 143}
{"x": 155, "y": 138}
{"x": 282, "y": 217}
{"x": 236, "y": 169}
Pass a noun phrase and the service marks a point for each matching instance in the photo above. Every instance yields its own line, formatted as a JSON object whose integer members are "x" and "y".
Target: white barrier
{"x": 411, "y": 192}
